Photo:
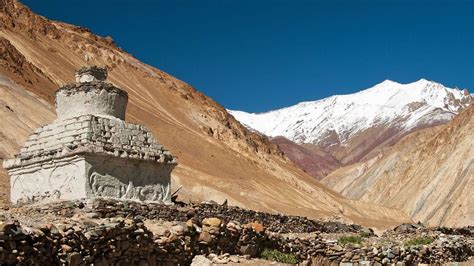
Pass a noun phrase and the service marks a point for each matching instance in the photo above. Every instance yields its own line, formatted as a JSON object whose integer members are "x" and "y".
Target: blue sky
{"x": 261, "y": 55}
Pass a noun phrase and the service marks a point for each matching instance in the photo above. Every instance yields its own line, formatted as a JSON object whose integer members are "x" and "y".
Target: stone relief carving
{"x": 109, "y": 186}
{"x": 33, "y": 187}
{"x": 61, "y": 177}
{"x": 20, "y": 183}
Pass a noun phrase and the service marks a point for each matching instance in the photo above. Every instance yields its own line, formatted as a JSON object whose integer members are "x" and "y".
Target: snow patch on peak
{"x": 423, "y": 81}
{"x": 387, "y": 82}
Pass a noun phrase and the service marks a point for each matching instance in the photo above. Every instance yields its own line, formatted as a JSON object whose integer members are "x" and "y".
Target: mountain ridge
{"x": 353, "y": 127}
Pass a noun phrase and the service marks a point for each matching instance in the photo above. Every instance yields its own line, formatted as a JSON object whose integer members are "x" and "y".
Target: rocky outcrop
{"x": 17, "y": 67}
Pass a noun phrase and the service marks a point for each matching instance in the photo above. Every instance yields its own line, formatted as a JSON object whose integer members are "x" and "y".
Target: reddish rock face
{"x": 310, "y": 158}
{"x": 371, "y": 142}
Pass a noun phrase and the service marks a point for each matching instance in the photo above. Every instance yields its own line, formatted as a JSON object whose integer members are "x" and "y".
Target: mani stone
{"x": 90, "y": 151}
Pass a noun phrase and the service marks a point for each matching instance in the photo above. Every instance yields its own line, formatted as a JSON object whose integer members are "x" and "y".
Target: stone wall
{"x": 119, "y": 241}
{"x": 273, "y": 222}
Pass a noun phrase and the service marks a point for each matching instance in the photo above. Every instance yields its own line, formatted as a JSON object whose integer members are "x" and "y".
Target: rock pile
{"x": 128, "y": 241}
{"x": 113, "y": 240}
{"x": 273, "y": 222}
{"x": 101, "y": 244}
{"x": 106, "y": 232}
{"x": 442, "y": 250}
{"x": 106, "y": 208}
{"x": 408, "y": 228}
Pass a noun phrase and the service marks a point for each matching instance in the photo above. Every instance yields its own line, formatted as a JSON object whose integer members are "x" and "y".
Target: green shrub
{"x": 275, "y": 255}
{"x": 343, "y": 240}
{"x": 423, "y": 240}
{"x": 364, "y": 234}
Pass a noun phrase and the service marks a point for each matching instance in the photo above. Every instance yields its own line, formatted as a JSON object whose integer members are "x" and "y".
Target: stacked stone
{"x": 125, "y": 241}
{"x": 453, "y": 249}
{"x": 117, "y": 233}
{"x": 128, "y": 241}
{"x": 464, "y": 231}
{"x": 111, "y": 242}
{"x": 273, "y": 222}
{"x": 92, "y": 134}
{"x": 302, "y": 248}
{"x": 115, "y": 208}
{"x": 418, "y": 228}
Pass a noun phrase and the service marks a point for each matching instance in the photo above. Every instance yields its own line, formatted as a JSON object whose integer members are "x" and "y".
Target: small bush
{"x": 343, "y": 240}
{"x": 364, "y": 234}
{"x": 423, "y": 240}
{"x": 275, "y": 255}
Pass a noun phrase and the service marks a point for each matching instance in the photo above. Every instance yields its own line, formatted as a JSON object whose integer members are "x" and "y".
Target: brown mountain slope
{"x": 310, "y": 158}
{"x": 429, "y": 174}
{"x": 218, "y": 158}
{"x": 21, "y": 111}
{"x": 369, "y": 143}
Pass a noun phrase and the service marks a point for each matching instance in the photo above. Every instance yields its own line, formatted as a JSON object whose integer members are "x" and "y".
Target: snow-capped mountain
{"x": 358, "y": 123}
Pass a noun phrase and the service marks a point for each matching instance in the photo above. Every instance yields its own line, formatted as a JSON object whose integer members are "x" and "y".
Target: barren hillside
{"x": 218, "y": 158}
{"x": 429, "y": 174}
{"x": 308, "y": 157}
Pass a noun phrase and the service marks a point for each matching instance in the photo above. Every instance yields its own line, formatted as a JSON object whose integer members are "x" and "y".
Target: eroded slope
{"x": 429, "y": 174}
{"x": 308, "y": 157}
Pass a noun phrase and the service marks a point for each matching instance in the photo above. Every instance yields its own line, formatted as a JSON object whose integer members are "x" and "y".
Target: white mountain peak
{"x": 387, "y": 82}
{"x": 387, "y": 104}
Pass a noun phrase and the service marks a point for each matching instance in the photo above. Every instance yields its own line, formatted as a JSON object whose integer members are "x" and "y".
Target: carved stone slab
{"x": 128, "y": 179}
{"x": 90, "y": 176}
